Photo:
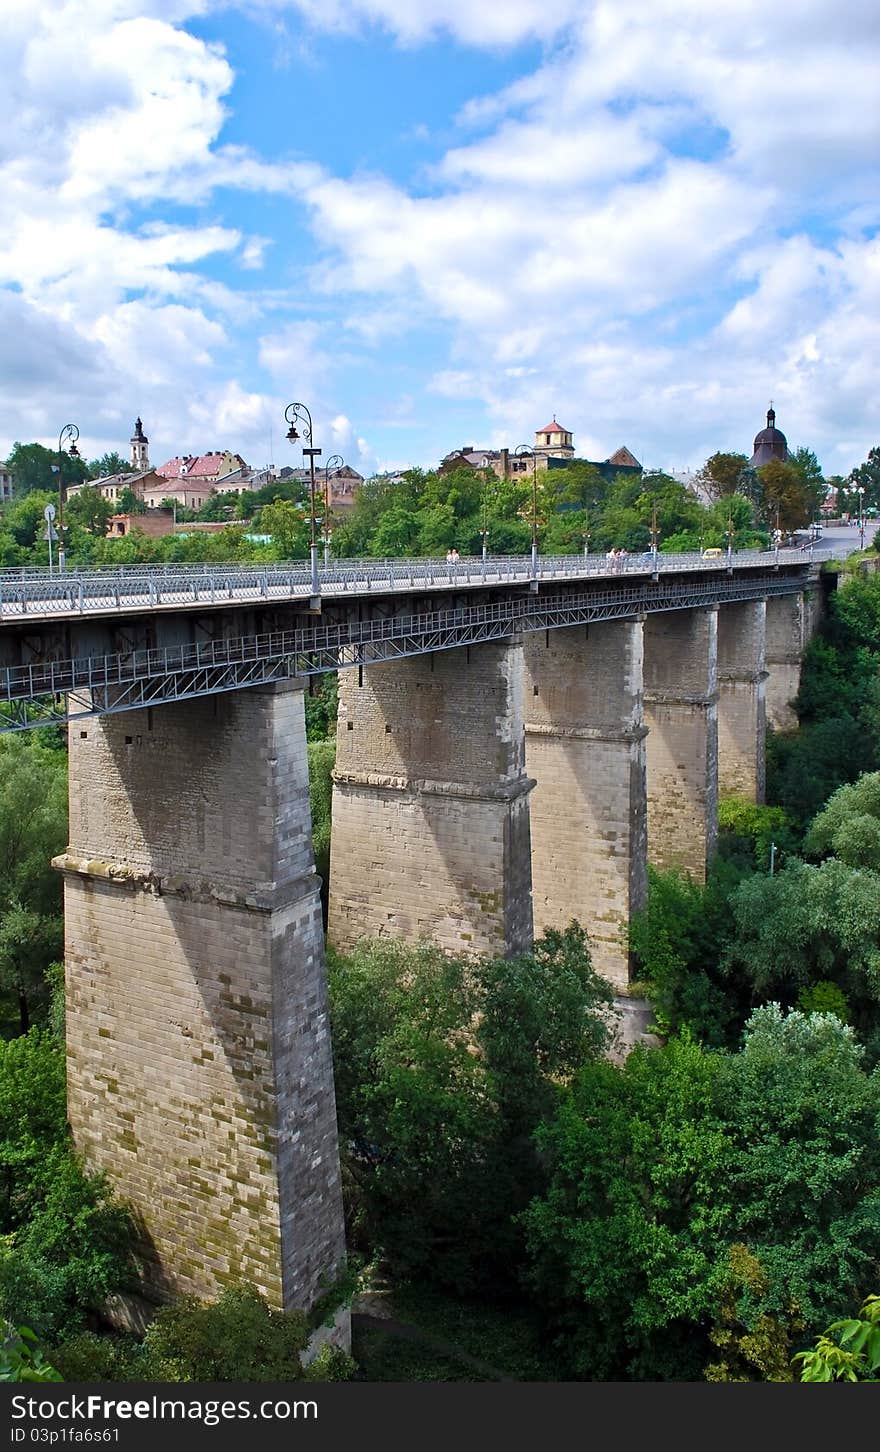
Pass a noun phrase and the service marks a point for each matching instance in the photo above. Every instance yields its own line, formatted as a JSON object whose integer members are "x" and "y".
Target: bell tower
{"x": 140, "y": 458}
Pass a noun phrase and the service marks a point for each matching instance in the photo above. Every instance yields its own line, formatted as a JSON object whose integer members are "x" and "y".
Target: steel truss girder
{"x": 134, "y": 680}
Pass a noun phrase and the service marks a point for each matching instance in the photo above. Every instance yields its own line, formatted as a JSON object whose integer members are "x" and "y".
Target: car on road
{"x": 712, "y": 554}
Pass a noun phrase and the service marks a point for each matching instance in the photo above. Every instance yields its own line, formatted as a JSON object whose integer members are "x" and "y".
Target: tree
{"x": 785, "y": 496}
{"x": 849, "y": 824}
{"x": 130, "y": 503}
{"x": 804, "y": 925}
{"x": 805, "y": 1184}
{"x": 35, "y": 467}
{"x": 626, "y": 1249}
{"x": 868, "y": 476}
{"x": 848, "y": 1351}
{"x": 33, "y": 829}
{"x": 722, "y": 474}
{"x": 90, "y": 511}
{"x": 809, "y": 471}
{"x": 444, "y": 1067}
{"x": 64, "y": 1243}
{"x": 110, "y": 463}
{"x": 288, "y": 528}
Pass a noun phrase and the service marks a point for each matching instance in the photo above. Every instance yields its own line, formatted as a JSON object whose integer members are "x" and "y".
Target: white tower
{"x": 140, "y": 458}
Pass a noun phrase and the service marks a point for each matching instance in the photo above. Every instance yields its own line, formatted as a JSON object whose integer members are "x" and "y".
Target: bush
{"x": 238, "y": 1338}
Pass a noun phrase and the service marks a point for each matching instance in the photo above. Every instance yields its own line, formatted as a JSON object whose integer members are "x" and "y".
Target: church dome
{"x": 770, "y": 443}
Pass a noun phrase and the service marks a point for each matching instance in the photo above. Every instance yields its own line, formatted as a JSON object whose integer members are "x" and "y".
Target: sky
{"x": 439, "y": 223}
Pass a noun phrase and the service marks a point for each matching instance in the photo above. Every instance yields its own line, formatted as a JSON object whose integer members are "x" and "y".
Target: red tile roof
{"x": 553, "y": 428}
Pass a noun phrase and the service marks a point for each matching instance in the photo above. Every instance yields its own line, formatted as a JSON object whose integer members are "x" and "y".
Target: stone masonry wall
{"x": 741, "y": 699}
{"x": 430, "y": 826}
{"x": 585, "y": 746}
{"x": 786, "y": 637}
{"x": 682, "y": 748}
{"x": 199, "y": 1068}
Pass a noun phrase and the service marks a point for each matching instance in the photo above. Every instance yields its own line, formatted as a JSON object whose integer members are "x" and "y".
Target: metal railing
{"x": 35, "y": 593}
{"x": 127, "y": 679}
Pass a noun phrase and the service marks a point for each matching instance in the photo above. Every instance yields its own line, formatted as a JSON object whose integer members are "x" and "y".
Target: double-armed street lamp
{"x": 70, "y": 433}
{"x": 333, "y": 465}
{"x": 293, "y": 414}
{"x": 523, "y": 451}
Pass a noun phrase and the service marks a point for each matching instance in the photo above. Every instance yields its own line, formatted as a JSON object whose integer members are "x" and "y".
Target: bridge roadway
{"x": 98, "y": 642}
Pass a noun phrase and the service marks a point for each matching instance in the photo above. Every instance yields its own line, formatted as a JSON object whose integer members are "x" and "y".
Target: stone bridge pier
{"x": 788, "y": 628}
{"x": 742, "y": 720}
{"x": 430, "y": 827}
{"x": 585, "y": 745}
{"x": 199, "y": 1070}
{"x": 681, "y": 712}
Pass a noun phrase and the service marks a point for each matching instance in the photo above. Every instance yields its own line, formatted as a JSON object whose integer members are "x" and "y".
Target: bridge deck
{"x": 92, "y": 681}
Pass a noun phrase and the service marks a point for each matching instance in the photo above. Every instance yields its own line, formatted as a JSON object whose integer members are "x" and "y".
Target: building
{"x": 6, "y": 482}
{"x": 202, "y": 468}
{"x": 343, "y": 482}
{"x": 553, "y": 449}
{"x": 770, "y": 443}
{"x": 140, "y": 458}
{"x": 154, "y": 523}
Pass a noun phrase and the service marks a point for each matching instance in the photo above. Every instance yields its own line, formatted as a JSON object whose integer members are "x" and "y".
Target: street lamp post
{"x": 729, "y": 541}
{"x": 520, "y": 452}
{"x": 293, "y": 414}
{"x": 69, "y": 432}
{"x": 334, "y": 463}
{"x": 861, "y": 493}
{"x": 654, "y": 536}
{"x": 586, "y": 537}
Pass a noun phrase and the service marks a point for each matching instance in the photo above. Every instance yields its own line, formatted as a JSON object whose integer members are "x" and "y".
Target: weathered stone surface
{"x": 741, "y": 699}
{"x": 199, "y": 1068}
{"x": 681, "y": 712}
{"x": 585, "y": 746}
{"x": 430, "y": 823}
{"x": 785, "y": 642}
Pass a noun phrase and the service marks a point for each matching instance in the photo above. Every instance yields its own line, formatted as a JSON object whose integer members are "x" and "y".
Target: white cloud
{"x": 666, "y": 221}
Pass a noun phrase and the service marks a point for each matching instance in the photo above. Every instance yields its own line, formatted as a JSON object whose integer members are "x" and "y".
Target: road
{"x": 840, "y": 540}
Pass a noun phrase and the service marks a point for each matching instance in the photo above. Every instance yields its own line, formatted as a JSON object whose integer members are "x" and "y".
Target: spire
{"x": 140, "y": 461}
{"x": 771, "y": 416}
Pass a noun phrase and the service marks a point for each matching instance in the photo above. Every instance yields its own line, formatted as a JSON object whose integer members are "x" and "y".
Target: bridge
{"x": 513, "y": 747}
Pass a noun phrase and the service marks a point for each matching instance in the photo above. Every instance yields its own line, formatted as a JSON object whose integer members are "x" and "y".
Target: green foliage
{"x": 130, "y": 503}
{"x": 701, "y": 1200}
{"x": 805, "y": 924}
{"x": 288, "y": 527}
{"x": 747, "y": 830}
{"x": 756, "y": 1351}
{"x": 849, "y": 825}
{"x": 321, "y": 705}
{"x": 109, "y": 463}
{"x": 89, "y": 510}
{"x": 238, "y": 1338}
{"x": 848, "y": 1351}
{"x": 626, "y": 1246}
{"x": 65, "y": 1242}
{"x": 676, "y": 940}
{"x": 824, "y": 997}
{"x": 33, "y": 829}
{"x": 21, "y": 1358}
{"x": 322, "y": 757}
{"x": 444, "y": 1067}
{"x": 32, "y": 468}
{"x": 805, "y": 1184}
{"x": 804, "y": 767}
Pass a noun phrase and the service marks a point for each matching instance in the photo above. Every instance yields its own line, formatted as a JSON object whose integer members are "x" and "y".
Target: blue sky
{"x": 438, "y": 224}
